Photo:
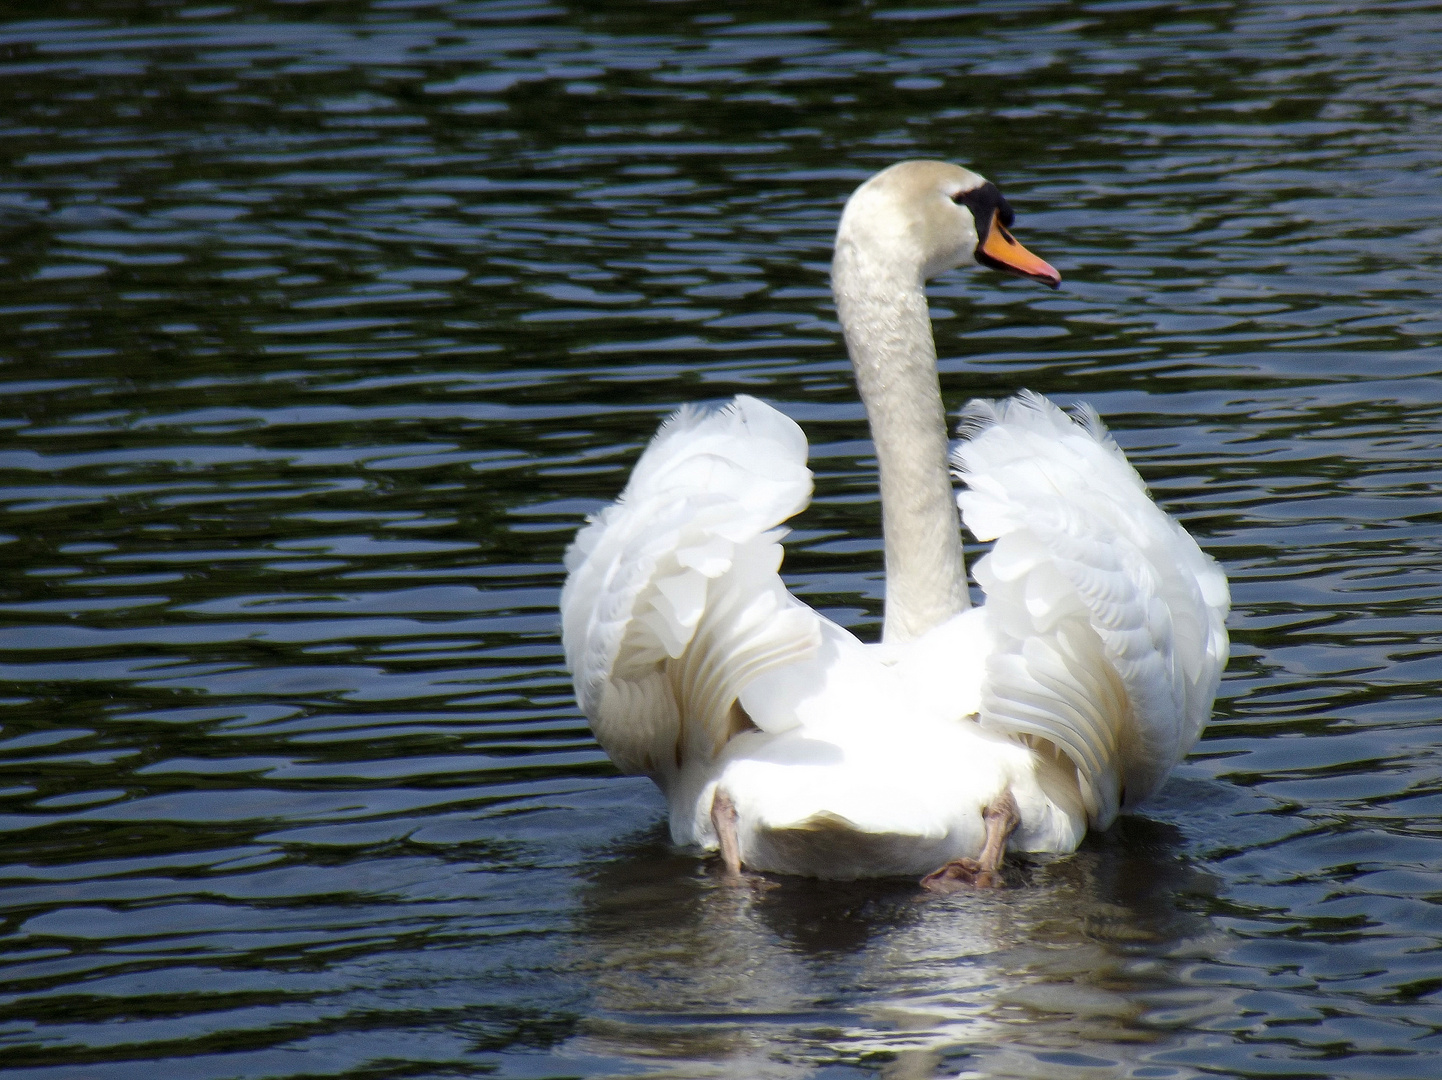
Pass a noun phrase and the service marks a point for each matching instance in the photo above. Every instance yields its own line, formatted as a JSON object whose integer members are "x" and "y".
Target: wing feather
{"x": 1108, "y": 617}
{"x": 672, "y": 601}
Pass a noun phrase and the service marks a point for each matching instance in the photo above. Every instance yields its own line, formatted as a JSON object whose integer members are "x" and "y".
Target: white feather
{"x": 672, "y": 601}
{"x": 1086, "y": 676}
{"x": 1108, "y": 617}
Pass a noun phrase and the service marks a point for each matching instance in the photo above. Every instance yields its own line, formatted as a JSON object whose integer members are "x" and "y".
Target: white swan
{"x": 791, "y": 746}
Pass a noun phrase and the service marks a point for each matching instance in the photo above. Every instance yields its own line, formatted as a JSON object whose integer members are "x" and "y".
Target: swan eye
{"x": 985, "y": 202}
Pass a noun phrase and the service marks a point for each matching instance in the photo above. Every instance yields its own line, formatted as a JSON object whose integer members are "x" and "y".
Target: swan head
{"x": 928, "y": 217}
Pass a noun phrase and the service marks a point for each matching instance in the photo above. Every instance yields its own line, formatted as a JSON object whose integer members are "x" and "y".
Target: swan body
{"x": 780, "y": 737}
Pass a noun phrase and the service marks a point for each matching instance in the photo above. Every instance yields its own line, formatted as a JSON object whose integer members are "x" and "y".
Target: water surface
{"x": 324, "y": 324}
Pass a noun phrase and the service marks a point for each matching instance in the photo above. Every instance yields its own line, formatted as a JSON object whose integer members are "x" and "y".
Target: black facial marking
{"x": 983, "y": 201}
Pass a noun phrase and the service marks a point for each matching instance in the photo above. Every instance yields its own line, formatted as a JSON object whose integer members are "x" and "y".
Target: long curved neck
{"x": 888, "y": 335}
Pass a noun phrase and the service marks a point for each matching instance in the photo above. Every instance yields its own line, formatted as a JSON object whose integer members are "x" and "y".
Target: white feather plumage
{"x": 1089, "y": 584}
{"x": 1085, "y": 677}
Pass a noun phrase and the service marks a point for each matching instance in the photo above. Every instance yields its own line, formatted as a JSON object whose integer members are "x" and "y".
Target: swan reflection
{"x": 1081, "y": 964}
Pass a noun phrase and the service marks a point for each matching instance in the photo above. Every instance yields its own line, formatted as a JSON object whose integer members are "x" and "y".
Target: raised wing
{"x": 1108, "y": 618}
{"x": 672, "y": 601}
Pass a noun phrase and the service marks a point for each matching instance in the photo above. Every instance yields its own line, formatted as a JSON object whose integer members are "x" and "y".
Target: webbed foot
{"x": 983, "y": 872}
{"x": 961, "y": 874}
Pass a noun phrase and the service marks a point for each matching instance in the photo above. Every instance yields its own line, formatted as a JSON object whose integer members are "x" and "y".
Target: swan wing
{"x": 1107, "y": 617}
{"x": 672, "y": 601}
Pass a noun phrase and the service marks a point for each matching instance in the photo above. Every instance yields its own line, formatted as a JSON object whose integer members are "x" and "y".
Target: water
{"x": 325, "y": 323}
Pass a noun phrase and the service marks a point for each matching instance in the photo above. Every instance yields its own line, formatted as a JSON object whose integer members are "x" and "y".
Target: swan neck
{"x": 887, "y": 325}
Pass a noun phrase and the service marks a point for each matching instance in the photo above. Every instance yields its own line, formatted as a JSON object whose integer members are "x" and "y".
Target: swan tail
{"x": 1108, "y": 618}
{"x": 672, "y": 601}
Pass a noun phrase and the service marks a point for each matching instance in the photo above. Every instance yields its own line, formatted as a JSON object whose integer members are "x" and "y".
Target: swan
{"x": 788, "y": 745}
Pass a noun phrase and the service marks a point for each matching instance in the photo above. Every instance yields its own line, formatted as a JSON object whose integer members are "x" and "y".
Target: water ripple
{"x": 327, "y": 324}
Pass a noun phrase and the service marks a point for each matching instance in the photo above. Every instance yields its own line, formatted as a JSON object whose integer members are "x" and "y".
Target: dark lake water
{"x": 323, "y": 324}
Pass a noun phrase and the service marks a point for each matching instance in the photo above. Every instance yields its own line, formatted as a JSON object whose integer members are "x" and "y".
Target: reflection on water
{"x": 1082, "y": 963}
{"x": 324, "y": 324}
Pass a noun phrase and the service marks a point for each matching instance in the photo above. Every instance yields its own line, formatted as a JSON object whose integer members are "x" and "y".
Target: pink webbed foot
{"x": 983, "y": 872}
{"x": 961, "y": 874}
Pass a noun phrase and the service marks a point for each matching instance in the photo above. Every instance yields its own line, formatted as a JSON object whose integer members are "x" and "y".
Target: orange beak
{"x": 1000, "y": 251}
